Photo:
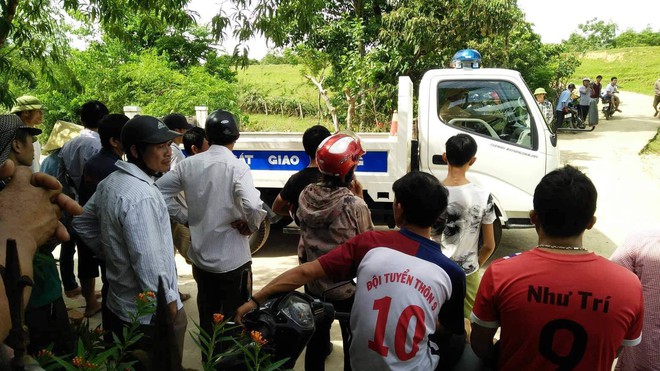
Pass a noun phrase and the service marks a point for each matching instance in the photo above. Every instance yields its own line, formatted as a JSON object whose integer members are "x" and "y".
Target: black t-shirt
{"x": 298, "y": 181}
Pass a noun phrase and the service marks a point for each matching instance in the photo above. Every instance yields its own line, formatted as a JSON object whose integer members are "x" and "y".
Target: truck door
{"x": 510, "y": 155}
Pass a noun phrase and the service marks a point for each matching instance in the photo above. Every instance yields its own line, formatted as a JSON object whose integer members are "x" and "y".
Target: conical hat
{"x": 62, "y": 132}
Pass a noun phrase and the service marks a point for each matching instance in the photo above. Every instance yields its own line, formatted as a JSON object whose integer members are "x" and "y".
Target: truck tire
{"x": 258, "y": 238}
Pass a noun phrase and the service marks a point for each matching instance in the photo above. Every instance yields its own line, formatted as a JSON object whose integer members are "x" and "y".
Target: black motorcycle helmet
{"x": 144, "y": 130}
{"x": 221, "y": 128}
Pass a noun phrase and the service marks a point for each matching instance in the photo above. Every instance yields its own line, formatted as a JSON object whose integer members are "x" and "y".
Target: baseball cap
{"x": 9, "y": 124}
{"x": 146, "y": 129}
{"x": 176, "y": 121}
{"x": 26, "y": 103}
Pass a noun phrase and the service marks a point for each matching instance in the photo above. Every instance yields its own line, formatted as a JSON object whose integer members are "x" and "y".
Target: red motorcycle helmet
{"x": 338, "y": 154}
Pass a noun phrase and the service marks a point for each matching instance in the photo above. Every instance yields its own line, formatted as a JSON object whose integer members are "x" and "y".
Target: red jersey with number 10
{"x": 404, "y": 284}
{"x": 560, "y": 311}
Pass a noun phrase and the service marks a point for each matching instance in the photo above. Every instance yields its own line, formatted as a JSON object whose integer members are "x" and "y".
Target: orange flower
{"x": 258, "y": 337}
{"x": 217, "y": 318}
{"x": 90, "y": 365}
{"x": 151, "y": 294}
{"x": 77, "y": 361}
{"x": 45, "y": 353}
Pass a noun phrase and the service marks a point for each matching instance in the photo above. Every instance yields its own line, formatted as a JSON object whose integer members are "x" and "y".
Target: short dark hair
{"x": 21, "y": 135}
{"x": 422, "y": 196}
{"x": 565, "y": 202}
{"x": 313, "y": 137}
{"x": 613, "y": 78}
{"x": 91, "y": 113}
{"x": 110, "y": 127}
{"x": 194, "y": 136}
{"x": 460, "y": 149}
{"x": 599, "y": 76}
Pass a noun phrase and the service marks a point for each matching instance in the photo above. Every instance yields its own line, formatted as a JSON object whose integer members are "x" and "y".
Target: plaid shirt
{"x": 547, "y": 110}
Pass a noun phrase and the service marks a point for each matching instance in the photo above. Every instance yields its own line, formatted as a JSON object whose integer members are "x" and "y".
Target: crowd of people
{"x": 419, "y": 302}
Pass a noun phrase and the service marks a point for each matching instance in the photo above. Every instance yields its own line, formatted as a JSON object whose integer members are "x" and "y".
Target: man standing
{"x": 21, "y": 149}
{"x": 177, "y": 122}
{"x": 224, "y": 208}
{"x": 559, "y": 305}
{"x": 74, "y": 155}
{"x": 656, "y": 99}
{"x": 585, "y": 98}
{"x": 30, "y": 110}
{"x": 126, "y": 222}
{"x": 286, "y": 202}
{"x": 562, "y": 104}
{"x": 596, "y": 87}
{"x": 401, "y": 275}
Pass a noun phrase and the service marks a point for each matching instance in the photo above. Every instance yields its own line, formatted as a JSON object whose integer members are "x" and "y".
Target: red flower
{"x": 77, "y": 361}
{"x": 217, "y": 318}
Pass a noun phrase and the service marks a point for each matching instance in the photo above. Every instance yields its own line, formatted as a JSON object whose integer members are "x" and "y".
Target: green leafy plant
{"x": 250, "y": 346}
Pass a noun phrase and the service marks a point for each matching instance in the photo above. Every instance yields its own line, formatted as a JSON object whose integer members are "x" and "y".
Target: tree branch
{"x": 324, "y": 94}
{"x": 8, "y": 18}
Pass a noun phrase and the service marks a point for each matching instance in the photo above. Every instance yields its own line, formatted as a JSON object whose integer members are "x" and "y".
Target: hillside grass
{"x": 653, "y": 147}
{"x": 279, "y": 123}
{"x": 275, "y": 80}
{"x": 636, "y": 68}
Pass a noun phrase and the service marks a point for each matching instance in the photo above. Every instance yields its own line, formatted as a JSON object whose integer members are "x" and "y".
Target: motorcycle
{"x": 608, "y": 106}
{"x": 286, "y": 322}
{"x": 573, "y": 122}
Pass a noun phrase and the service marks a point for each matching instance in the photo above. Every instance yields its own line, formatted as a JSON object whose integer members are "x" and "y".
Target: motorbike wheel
{"x": 579, "y": 123}
{"x": 258, "y": 238}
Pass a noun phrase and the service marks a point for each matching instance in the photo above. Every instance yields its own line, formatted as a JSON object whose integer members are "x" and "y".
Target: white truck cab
{"x": 516, "y": 147}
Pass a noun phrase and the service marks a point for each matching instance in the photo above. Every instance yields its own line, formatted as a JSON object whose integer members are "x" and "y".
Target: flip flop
{"x": 73, "y": 293}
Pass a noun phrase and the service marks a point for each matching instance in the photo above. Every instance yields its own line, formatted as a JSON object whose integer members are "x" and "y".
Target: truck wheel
{"x": 258, "y": 238}
{"x": 497, "y": 231}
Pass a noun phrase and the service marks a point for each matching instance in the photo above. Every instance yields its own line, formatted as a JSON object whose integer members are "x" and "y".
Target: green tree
{"x": 594, "y": 34}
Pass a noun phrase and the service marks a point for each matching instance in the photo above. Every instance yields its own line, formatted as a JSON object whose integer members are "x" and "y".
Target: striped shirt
{"x": 219, "y": 190}
{"x": 78, "y": 151}
{"x": 135, "y": 241}
{"x": 640, "y": 253}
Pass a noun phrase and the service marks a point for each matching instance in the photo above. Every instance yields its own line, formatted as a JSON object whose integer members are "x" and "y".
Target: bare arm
{"x": 285, "y": 282}
{"x": 489, "y": 243}
{"x": 481, "y": 340}
{"x": 281, "y": 206}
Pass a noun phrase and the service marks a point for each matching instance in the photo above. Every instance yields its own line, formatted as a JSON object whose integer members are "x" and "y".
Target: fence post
{"x": 131, "y": 111}
{"x": 14, "y": 285}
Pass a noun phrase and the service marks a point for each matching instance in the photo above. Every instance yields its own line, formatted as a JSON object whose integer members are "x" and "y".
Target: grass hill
{"x": 636, "y": 68}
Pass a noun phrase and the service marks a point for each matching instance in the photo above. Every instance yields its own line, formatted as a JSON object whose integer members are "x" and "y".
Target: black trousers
{"x": 221, "y": 293}
{"x": 49, "y": 324}
{"x": 317, "y": 347}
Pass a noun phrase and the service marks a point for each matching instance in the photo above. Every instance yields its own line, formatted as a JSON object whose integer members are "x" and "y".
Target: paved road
{"x": 628, "y": 199}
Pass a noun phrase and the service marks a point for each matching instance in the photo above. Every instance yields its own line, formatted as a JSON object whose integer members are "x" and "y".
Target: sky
{"x": 554, "y": 20}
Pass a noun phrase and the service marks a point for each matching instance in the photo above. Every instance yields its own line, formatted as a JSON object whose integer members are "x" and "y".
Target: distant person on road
{"x": 611, "y": 91}
{"x": 585, "y": 98}
{"x": 224, "y": 208}
{"x": 596, "y": 87}
{"x": 545, "y": 105}
{"x": 559, "y": 305}
{"x": 562, "y": 104}
{"x": 468, "y": 238}
{"x": 432, "y": 290}
{"x": 331, "y": 212}
{"x": 656, "y": 98}
{"x": 640, "y": 254}
{"x": 286, "y": 202}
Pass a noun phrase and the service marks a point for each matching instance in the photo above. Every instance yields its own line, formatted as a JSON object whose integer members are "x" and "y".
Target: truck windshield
{"x": 490, "y": 108}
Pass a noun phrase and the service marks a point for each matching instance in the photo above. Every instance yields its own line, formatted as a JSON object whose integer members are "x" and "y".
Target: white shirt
{"x": 76, "y": 152}
{"x": 36, "y": 162}
{"x": 177, "y": 155}
{"x": 469, "y": 206}
{"x": 219, "y": 190}
{"x": 610, "y": 89}
{"x": 135, "y": 241}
